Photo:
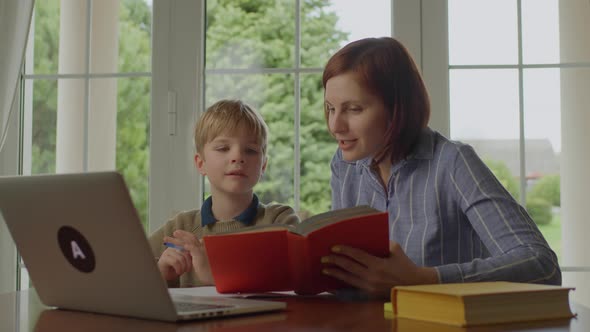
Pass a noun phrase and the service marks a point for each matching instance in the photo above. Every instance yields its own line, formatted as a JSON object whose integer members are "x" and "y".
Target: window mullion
{"x": 297, "y": 115}
{"x": 522, "y": 138}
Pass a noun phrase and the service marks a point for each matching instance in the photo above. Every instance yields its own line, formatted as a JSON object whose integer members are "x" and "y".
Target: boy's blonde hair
{"x": 229, "y": 115}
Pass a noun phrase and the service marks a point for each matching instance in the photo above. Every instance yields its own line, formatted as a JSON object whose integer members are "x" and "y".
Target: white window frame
{"x": 422, "y": 25}
{"x": 178, "y": 49}
{"x": 429, "y": 44}
{"x": 178, "y": 35}
{"x": 10, "y": 165}
{"x": 15, "y": 159}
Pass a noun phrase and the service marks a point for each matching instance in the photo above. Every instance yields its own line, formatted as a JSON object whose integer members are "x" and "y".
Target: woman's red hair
{"x": 384, "y": 67}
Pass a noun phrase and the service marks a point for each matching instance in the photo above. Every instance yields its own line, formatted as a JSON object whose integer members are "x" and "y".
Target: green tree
{"x": 539, "y": 210}
{"x": 249, "y": 34}
{"x": 133, "y": 100}
{"x": 547, "y": 188}
{"x": 46, "y": 47}
{"x": 240, "y": 34}
{"x": 502, "y": 172}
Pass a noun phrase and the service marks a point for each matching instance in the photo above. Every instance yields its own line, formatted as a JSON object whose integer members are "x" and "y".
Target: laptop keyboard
{"x": 190, "y": 307}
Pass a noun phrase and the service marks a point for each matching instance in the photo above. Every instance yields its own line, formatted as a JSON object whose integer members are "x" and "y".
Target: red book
{"x": 287, "y": 257}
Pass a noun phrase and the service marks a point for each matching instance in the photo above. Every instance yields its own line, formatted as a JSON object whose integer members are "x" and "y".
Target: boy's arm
{"x": 284, "y": 214}
{"x": 198, "y": 253}
{"x": 156, "y": 239}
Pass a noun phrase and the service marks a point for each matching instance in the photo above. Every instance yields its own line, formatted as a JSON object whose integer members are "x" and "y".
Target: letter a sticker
{"x": 76, "y": 249}
{"x": 76, "y": 252}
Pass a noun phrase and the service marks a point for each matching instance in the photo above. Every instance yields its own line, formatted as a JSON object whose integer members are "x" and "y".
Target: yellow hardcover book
{"x": 387, "y": 310}
{"x": 479, "y": 303}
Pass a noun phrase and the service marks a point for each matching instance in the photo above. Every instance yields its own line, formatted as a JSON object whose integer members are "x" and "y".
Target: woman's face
{"x": 356, "y": 118}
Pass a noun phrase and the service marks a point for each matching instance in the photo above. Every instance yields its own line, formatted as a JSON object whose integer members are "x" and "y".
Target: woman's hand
{"x": 196, "y": 248}
{"x": 373, "y": 274}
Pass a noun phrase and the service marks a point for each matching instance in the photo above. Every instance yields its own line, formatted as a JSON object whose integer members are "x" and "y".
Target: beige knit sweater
{"x": 191, "y": 221}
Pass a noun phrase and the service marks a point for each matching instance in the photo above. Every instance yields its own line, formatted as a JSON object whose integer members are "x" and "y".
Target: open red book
{"x": 287, "y": 257}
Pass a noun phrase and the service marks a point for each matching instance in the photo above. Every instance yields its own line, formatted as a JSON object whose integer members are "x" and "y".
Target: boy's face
{"x": 233, "y": 162}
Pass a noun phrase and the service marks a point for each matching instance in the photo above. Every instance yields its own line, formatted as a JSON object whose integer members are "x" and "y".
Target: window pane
{"x": 62, "y": 35}
{"x": 317, "y": 148}
{"x": 542, "y": 128}
{"x": 44, "y": 108}
{"x": 484, "y": 113}
{"x": 272, "y": 95}
{"x": 483, "y": 32}
{"x": 132, "y": 28}
{"x": 540, "y": 31}
{"x": 135, "y": 34}
{"x": 327, "y": 26}
{"x": 118, "y": 133}
{"x": 542, "y": 118}
{"x": 133, "y": 139}
{"x": 130, "y": 132}
{"x": 253, "y": 34}
{"x": 45, "y": 36}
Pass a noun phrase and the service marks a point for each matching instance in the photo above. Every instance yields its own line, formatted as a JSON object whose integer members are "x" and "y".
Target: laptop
{"x": 85, "y": 249}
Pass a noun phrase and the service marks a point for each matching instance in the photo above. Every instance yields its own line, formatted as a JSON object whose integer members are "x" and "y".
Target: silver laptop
{"x": 85, "y": 249}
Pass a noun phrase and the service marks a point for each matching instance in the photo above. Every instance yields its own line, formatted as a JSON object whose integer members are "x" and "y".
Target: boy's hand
{"x": 173, "y": 263}
{"x": 200, "y": 262}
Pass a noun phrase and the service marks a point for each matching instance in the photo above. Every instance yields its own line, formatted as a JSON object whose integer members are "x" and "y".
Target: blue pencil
{"x": 172, "y": 245}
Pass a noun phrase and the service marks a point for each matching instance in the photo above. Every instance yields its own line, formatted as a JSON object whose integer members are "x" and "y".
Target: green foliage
{"x": 502, "y": 172}
{"x": 240, "y": 34}
{"x": 552, "y": 233}
{"x": 261, "y": 34}
{"x": 133, "y": 102}
{"x": 45, "y": 91}
{"x": 540, "y": 211}
{"x": 547, "y": 188}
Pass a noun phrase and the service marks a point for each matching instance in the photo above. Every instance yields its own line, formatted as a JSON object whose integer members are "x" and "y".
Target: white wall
{"x": 574, "y": 17}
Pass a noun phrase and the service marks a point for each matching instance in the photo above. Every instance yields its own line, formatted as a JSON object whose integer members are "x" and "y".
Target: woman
{"x": 450, "y": 219}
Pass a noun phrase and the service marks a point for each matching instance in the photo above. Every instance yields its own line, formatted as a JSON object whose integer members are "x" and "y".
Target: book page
{"x": 211, "y": 291}
{"x": 327, "y": 218}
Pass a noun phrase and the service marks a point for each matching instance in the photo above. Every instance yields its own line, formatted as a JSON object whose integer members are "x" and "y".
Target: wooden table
{"x": 22, "y": 312}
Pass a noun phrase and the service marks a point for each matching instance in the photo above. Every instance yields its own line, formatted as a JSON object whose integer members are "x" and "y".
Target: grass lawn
{"x": 552, "y": 233}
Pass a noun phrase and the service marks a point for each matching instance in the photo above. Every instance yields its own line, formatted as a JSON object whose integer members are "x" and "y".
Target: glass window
{"x": 484, "y": 113}
{"x": 512, "y": 107}
{"x": 483, "y": 32}
{"x": 540, "y": 31}
{"x": 89, "y": 109}
{"x": 271, "y": 55}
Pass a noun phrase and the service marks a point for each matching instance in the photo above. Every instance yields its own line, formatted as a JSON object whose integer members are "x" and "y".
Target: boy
{"x": 230, "y": 139}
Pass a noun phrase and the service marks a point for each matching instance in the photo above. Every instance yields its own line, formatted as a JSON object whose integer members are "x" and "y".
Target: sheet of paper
{"x": 211, "y": 291}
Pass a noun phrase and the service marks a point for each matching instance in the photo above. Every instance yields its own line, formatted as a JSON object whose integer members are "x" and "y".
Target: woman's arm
{"x": 517, "y": 248}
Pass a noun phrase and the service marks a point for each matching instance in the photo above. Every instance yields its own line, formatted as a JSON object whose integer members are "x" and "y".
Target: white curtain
{"x": 15, "y": 19}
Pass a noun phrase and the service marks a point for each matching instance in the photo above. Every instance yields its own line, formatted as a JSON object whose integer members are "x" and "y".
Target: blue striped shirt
{"x": 447, "y": 210}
